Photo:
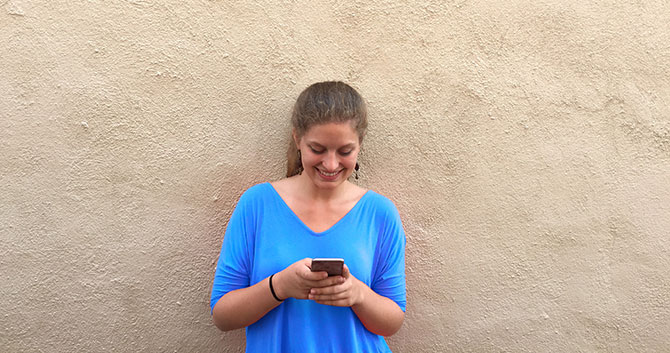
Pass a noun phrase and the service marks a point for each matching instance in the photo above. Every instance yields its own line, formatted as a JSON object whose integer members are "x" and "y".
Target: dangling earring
{"x": 300, "y": 168}
{"x": 356, "y": 168}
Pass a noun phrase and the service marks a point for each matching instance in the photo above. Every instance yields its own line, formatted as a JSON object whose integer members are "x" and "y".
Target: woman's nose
{"x": 330, "y": 162}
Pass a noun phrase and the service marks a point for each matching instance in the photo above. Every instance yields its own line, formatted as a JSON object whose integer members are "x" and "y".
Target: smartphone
{"x": 332, "y": 266}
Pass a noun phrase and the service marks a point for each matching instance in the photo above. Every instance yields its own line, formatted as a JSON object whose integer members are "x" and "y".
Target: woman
{"x": 263, "y": 278}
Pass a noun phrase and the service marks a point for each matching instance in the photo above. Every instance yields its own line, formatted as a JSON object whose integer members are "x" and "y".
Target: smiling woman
{"x": 330, "y": 152}
{"x": 325, "y": 102}
{"x": 264, "y": 280}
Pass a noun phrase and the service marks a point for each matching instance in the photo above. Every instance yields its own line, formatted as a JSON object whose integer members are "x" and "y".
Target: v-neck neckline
{"x": 310, "y": 230}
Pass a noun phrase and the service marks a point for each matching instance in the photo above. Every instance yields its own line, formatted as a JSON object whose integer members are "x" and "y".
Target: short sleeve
{"x": 389, "y": 275}
{"x": 233, "y": 267}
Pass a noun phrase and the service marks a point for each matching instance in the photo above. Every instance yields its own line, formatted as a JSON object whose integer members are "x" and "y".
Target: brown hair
{"x": 321, "y": 103}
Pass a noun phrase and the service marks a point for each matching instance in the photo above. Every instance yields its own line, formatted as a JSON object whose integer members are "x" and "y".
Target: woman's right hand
{"x": 298, "y": 279}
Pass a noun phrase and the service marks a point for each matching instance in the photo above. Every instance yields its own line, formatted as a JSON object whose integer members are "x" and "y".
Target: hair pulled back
{"x": 321, "y": 103}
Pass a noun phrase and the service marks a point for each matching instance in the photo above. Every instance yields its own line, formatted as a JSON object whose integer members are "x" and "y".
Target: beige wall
{"x": 525, "y": 143}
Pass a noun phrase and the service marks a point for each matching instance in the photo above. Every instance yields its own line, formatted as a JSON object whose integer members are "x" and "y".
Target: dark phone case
{"x": 334, "y": 268}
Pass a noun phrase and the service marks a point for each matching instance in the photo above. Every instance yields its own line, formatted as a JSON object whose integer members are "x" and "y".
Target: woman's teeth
{"x": 328, "y": 174}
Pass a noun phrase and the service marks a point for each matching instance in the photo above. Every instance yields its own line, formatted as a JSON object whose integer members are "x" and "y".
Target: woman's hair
{"x": 321, "y": 103}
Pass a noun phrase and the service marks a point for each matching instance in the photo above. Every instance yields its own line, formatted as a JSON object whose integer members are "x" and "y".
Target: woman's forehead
{"x": 332, "y": 131}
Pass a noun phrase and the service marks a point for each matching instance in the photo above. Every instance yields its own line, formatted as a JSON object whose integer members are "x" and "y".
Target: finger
{"x": 334, "y": 289}
{"x": 345, "y": 271}
{"x": 328, "y": 290}
{"x": 328, "y": 297}
{"x": 315, "y": 276}
{"x": 328, "y": 281}
{"x": 307, "y": 274}
{"x": 307, "y": 262}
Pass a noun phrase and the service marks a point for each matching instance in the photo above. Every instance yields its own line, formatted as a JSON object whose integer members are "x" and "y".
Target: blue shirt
{"x": 264, "y": 236}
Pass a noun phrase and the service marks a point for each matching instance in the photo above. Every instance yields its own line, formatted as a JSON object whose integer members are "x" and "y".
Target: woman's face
{"x": 329, "y": 152}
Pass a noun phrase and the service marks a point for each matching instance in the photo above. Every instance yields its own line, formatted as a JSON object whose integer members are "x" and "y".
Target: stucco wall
{"x": 525, "y": 143}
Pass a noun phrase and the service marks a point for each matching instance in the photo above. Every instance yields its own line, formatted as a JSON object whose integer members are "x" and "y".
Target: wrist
{"x": 362, "y": 292}
{"x": 277, "y": 286}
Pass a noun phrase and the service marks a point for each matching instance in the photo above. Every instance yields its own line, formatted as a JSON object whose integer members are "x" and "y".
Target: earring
{"x": 356, "y": 168}
{"x": 299, "y": 162}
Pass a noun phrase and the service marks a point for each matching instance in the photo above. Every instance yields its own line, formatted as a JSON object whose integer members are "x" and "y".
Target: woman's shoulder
{"x": 380, "y": 199}
{"x": 256, "y": 192}
{"x": 384, "y": 214}
{"x": 282, "y": 185}
{"x": 381, "y": 204}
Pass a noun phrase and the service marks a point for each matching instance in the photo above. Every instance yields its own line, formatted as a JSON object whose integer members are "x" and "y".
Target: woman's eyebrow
{"x": 316, "y": 144}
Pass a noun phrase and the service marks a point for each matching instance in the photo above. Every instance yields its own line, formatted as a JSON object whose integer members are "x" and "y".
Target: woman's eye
{"x": 316, "y": 151}
{"x": 345, "y": 153}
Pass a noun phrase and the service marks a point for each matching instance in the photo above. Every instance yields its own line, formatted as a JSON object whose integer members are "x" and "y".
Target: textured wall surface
{"x": 525, "y": 143}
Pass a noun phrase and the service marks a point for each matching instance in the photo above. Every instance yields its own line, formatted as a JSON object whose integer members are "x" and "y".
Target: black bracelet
{"x": 272, "y": 290}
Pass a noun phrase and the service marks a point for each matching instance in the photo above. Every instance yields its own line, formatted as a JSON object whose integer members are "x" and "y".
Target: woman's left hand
{"x": 348, "y": 293}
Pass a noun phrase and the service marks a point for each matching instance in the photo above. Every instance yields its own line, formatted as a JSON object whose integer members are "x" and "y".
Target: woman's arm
{"x": 380, "y": 315}
{"x": 242, "y": 307}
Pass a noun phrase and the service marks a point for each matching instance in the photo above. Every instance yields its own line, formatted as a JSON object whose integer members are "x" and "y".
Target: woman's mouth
{"x": 327, "y": 175}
